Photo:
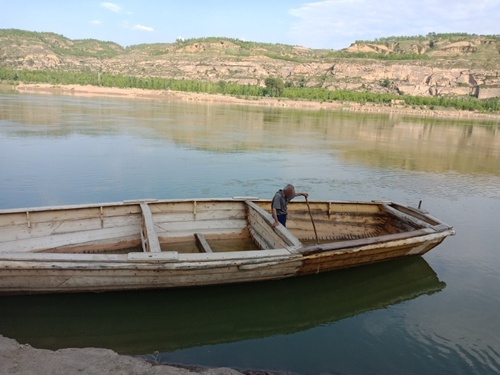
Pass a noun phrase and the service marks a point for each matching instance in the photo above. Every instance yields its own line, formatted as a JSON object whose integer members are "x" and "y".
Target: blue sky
{"x": 331, "y": 24}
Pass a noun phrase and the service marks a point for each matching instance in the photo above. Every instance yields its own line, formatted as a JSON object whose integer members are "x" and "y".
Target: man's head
{"x": 289, "y": 191}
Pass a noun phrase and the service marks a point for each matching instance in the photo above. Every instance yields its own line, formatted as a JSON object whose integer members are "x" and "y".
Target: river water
{"x": 436, "y": 314}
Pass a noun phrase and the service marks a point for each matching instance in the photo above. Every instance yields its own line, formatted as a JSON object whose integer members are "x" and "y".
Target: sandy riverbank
{"x": 20, "y": 359}
{"x": 96, "y": 91}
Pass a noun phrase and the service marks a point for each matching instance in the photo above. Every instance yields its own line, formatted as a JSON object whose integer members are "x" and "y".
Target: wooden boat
{"x": 178, "y": 243}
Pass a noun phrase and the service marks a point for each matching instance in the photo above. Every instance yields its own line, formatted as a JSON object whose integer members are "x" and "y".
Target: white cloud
{"x": 142, "y": 28}
{"x": 112, "y": 7}
{"x": 338, "y": 23}
{"x": 96, "y": 22}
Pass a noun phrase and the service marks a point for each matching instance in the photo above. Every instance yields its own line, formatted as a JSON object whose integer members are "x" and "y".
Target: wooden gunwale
{"x": 27, "y": 212}
{"x": 168, "y": 256}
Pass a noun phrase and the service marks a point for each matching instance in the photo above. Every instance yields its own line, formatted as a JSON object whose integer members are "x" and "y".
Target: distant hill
{"x": 435, "y": 64}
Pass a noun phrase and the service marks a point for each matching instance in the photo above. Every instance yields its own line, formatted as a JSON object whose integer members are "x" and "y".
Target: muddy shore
{"x": 97, "y": 91}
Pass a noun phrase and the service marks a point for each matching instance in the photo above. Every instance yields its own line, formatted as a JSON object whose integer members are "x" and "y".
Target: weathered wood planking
{"x": 416, "y": 213}
{"x": 259, "y": 240}
{"x": 182, "y": 229}
{"x": 99, "y": 237}
{"x": 259, "y": 225}
{"x": 346, "y": 218}
{"x": 13, "y": 219}
{"x": 195, "y": 208}
{"x": 366, "y": 254}
{"x": 58, "y": 261}
{"x": 51, "y": 216}
{"x": 337, "y": 219}
{"x": 202, "y": 243}
{"x": 216, "y": 235}
{"x": 304, "y": 229}
{"x": 413, "y": 221}
{"x": 54, "y": 228}
{"x": 46, "y": 222}
{"x": 327, "y": 206}
{"x": 190, "y": 209}
{"x": 59, "y": 214}
{"x": 385, "y": 239}
{"x": 262, "y": 222}
{"x": 203, "y": 216}
{"x": 149, "y": 237}
{"x": 212, "y": 218}
{"x": 82, "y": 280}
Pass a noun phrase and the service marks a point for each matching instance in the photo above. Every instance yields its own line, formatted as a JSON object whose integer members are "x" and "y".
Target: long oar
{"x": 312, "y": 220}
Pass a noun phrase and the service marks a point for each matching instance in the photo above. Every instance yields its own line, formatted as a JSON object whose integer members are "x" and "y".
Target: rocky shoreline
{"x": 130, "y": 93}
{"x": 22, "y": 359}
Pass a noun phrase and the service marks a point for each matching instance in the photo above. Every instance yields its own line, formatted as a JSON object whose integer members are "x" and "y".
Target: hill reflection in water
{"x": 465, "y": 146}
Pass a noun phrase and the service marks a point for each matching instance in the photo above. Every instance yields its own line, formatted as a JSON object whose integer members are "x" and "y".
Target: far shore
{"x": 167, "y": 95}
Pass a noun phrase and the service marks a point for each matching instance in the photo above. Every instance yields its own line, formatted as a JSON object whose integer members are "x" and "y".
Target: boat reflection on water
{"x": 168, "y": 320}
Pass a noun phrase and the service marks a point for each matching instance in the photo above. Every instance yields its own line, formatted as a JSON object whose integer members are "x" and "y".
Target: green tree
{"x": 274, "y": 86}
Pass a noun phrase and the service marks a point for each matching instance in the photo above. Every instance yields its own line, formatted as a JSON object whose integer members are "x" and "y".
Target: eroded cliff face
{"x": 451, "y": 69}
{"x": 412, "y": 78}
{"x": 416, "y": 79}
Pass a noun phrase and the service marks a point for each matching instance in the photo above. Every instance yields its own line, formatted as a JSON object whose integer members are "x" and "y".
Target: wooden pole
{"x": 312, "y": 220}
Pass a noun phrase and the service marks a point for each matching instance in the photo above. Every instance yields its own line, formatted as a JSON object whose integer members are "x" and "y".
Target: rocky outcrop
{"x": 487, "y": 93}
{"x": 377, "y": 48}
{"x": 460, "y": 47}
{"x": 41, "y": 61}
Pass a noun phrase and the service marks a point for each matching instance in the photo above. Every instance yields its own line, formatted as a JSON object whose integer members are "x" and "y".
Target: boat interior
{"x": 199, "y": 226}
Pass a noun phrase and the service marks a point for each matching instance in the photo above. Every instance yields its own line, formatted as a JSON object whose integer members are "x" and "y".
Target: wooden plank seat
{"x": 149, "y": 237}
{"x": 202, "y": 243}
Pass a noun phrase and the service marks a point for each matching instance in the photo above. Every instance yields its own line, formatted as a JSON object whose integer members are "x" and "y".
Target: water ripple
{"x": 458, "y": 353}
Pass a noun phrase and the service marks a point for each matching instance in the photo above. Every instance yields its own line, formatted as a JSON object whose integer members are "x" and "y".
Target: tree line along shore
{"x": 274, "y": 88}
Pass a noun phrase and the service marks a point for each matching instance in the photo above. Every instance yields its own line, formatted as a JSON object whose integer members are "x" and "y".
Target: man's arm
{"x": 302, "y": 194}
{"x": 275, "y": 217}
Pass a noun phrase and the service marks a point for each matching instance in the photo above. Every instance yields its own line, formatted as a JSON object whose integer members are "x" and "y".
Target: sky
{"x": 327, "y": 24}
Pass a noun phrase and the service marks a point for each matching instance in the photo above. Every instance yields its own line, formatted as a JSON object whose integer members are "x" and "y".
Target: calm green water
{"x": 432, "y": 315}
